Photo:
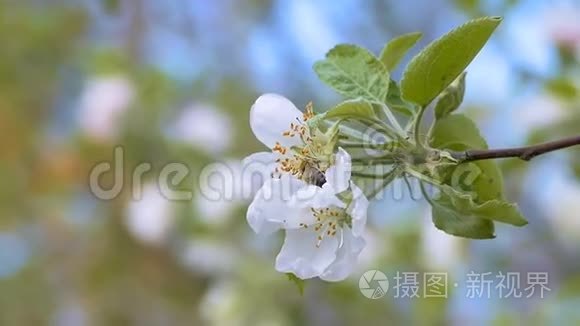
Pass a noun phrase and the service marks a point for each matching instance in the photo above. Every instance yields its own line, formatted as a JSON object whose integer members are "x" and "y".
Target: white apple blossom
{"x": 323, "y": 232}
{"x": 299, "y": 149}
{"x": 102, "y": 104}
{"x": 150, "y": 218}
{"x": 205, "y": 127}
{"x": 310, "y": 194}
{"x": 209, "y": 257}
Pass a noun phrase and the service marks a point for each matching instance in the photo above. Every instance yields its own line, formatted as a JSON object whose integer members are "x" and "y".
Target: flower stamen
{"x": 310, "y": 160}
{"x": 328, "y": 220}
{"x": 279, "y": 148}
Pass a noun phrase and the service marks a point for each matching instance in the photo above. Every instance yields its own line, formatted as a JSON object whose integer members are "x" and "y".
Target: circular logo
{"x": 373, "y": 284}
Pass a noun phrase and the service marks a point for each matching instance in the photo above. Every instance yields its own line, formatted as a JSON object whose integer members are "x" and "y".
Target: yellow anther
{"x": 309, "y": 111}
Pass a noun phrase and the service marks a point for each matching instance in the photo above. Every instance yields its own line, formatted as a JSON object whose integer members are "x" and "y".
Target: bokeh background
{"x": 173, "y": 81}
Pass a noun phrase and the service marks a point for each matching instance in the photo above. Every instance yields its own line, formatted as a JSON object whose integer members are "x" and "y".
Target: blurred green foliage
{"x": 84, "y": 265}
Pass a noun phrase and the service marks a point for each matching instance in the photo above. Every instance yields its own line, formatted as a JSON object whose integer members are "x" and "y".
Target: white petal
{"x": 269, "y": 210}
{"x": 346, "y": 258}
{"x": 316, "y": 197}
{"x": 270, "y": 117}
{"x": 300, "y": 256}
{"x": 338, "y": 175}
{"x": 327, "y": 198}
{"x": 306, "y": 196}
{"x": 265, "y": 158}
{"x": 358, "y": 210}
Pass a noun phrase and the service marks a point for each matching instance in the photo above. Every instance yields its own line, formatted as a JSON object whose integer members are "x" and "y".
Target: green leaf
{"x": 563, "y": 88}
{"x": 494, "y": 210}
{"x": 471, "y": 196}
{"x": 395, "y": 101}
{"x": 447, "y": 219}
{"x": 459, "y": 214}
{"x": 396, "y": 49}
{"x": 374, "y": 177}
{"x": 456, "y": 132}
{"x": 482, "y": 179}
{"x": 354, "y": 72}
{"x": 300, "y": 284}
{"x": 352, "y": 109}
{"x": 451, "y": 97}
{"x": 436, "y": 66}
{"x": 470, "y": 6}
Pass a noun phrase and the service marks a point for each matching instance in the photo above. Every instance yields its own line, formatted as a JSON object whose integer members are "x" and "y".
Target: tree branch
{"x": 524, "y": 153}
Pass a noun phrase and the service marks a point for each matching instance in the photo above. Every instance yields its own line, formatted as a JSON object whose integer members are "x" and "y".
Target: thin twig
{"x": 525, "y": 153}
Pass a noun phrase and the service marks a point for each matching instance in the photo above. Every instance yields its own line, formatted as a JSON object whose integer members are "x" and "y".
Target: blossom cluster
{"x": 309, "y": 195}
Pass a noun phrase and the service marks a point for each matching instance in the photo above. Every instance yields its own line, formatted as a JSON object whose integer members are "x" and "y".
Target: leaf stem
{"x": 364, "y": 145}
{"x": 417, "y": 126}
{"x": 373, "y": 176}
{"x": 351, "y": 132}
{"x": 423, "y": 177}
{"x": 525, "y": 153}
{"x": 381, "y": 126}
{"x": 388, "y": 179}
{"x": 384, "y": 159}
{"x": 425, "y": 194}
{"x": 392, "y": 119}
